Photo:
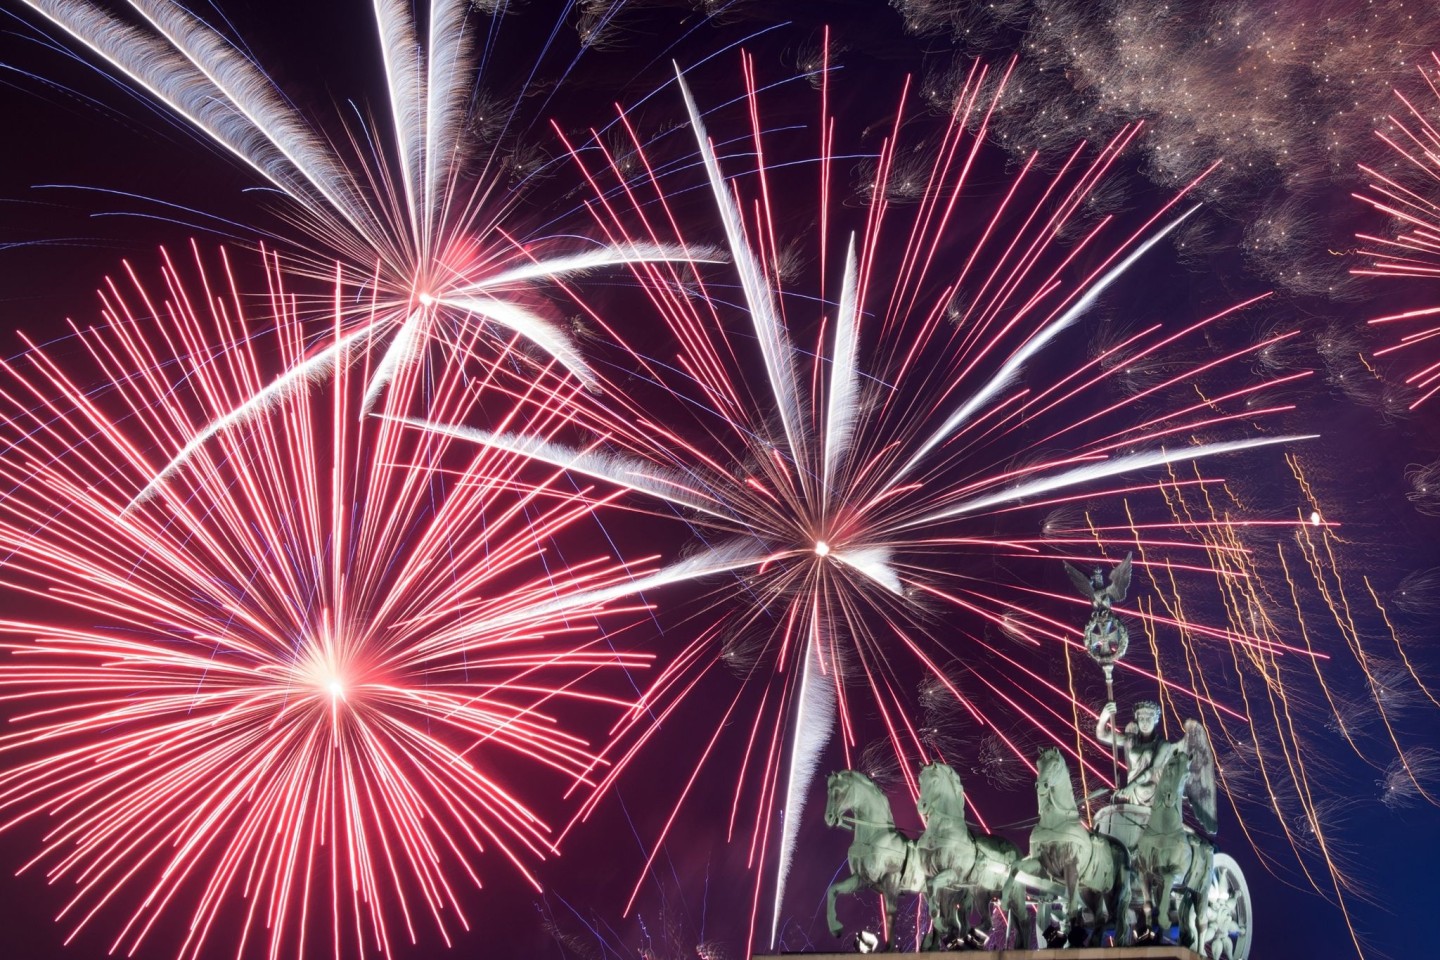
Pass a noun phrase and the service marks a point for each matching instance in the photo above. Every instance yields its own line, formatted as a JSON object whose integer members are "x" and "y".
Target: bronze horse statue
{"x": 1169, "y": 856}
{"x": 881, "y": 858}
{"x": 977, "y": 867}
{"x": 1089, "y": 870}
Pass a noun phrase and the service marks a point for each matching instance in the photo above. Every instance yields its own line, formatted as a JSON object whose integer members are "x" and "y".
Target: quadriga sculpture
{"x": 965, "y": 870}
{"x": 1092, "y": 869}
{"x": 1169, "y": 855}
{"x": 881, "y": 858}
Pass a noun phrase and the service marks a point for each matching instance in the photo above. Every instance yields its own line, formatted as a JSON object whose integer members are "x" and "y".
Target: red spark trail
{"x": 1409, "y": 197}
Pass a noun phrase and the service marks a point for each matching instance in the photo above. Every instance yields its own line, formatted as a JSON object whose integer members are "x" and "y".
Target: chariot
{"x": 1136, "y": 873}
{"x": 1171, "y": 882}
{"x": 1224, "y": 915}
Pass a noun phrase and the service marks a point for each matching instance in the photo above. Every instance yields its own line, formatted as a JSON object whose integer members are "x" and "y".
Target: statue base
{"x": 1065, "y": 953}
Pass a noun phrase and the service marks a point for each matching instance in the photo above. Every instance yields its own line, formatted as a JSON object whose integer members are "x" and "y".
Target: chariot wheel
{"x": 1227, "y": 916}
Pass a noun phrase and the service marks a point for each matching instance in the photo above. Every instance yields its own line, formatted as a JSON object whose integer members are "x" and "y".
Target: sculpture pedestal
{"x": 1069, "y": 953}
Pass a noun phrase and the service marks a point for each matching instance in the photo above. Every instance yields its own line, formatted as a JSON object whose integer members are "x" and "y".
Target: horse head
{"x": 941, "y": 791}
{"x": 1053, "y": 788}
{"x": 837, "y": 796}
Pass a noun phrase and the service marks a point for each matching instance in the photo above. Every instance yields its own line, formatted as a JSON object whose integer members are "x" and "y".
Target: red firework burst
{"x": 307, "y": 683}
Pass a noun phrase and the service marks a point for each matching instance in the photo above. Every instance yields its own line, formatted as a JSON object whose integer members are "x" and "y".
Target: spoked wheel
{"x": 1225, "y": 930}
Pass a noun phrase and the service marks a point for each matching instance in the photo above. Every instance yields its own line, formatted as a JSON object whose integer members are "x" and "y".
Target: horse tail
{"x": 1008, "y": 892}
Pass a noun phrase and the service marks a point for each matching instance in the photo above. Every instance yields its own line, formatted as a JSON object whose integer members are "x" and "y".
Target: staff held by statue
{"x": 1106, "y": 638}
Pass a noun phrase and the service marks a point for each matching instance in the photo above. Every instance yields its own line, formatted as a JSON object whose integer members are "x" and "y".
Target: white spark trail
{"x": 254, "y": 96}
{"x": 628, "y": 472}
{"x": 372, "y": 218}
{"x": 533, "y": 327}
{"x": 842, "y": 405}
{"x": 173, "y": 81}
{"x": 400, "y": 49}
{"x": 591, "y": 260}
{"x": 774, "y": 344}
{"x": 403, "y": 350}
{"x": 1098, "y": 471}
{"x": 291, "y": 381}
{"x": 447, "y": 94}
{"x": 1007, "y": 373}
{"x": 814, "y": 719}
{"x": 875, "y": 563}
{"x": 724, "y": 558}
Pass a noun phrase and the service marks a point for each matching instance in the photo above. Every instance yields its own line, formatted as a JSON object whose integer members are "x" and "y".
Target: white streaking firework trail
{"x": 431, "y": 253}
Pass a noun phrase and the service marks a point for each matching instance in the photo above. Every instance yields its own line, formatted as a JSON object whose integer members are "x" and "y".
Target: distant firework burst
{"x": 879, "y": 456}
{"x": 1283, "y": 98}
{"x": 304, "y": 696}
{"x": 1407, "y": 191}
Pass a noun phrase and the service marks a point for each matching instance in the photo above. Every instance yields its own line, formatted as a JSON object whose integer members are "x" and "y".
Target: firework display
{"x": 602, "y": 496}
{"x": 853, "y": 537}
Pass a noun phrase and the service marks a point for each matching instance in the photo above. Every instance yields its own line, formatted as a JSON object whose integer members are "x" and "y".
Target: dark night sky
{"x": 69, "y": 125}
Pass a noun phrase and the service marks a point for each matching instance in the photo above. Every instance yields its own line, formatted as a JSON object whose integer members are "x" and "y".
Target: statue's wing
{"x": 1200, "y": 788}
{"x": 1120, "y": 580}
{"x": 1082, "y": 582}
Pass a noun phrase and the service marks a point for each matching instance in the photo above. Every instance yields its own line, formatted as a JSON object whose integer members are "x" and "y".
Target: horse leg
{"x": 965, "y": 906}
{"x": 980, "y": 905}
{"x": 1189, "y": 934}
{"x": 1185, "y": 901}
{"x": 1102, "y": 918}
{"x": 892, "y": 907}
{"x": 1202, "y": 864}
{"x": 1143, "y": 925}
{"x": 1013, "y": 901}
{"x": 1123, "y": 897}
{"x": 1162, "y": 909}
{"x": 1080, "y": 934}
{"x": 849, "y": 885}
{"x": 1017, "y": 911}
{"x": 1074, "y": 911}
{"x": 1017, "y": 915}
{"x": 1110, "y": 905}
{"x": 935, "y": 893}
{"x": 1115, "y": 904}
{"x": 932, "y": 936}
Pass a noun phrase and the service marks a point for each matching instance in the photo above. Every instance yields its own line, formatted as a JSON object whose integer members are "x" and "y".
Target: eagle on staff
{"x": 1101, "y": 593}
